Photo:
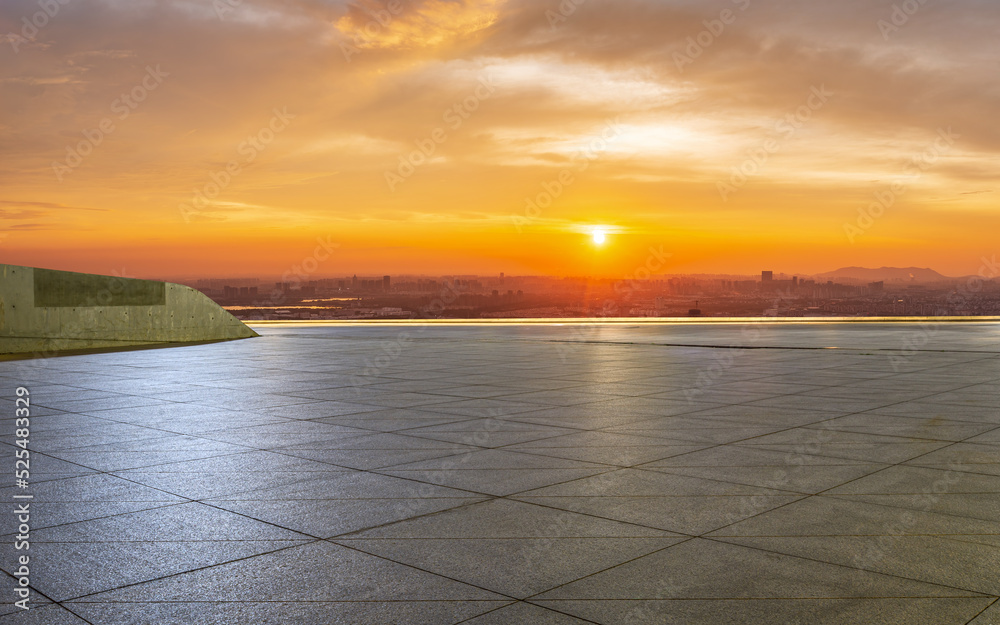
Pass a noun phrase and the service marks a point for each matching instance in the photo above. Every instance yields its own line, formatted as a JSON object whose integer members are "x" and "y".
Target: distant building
{"x": 767, "y": 282}
{"x": 385, "y": 283}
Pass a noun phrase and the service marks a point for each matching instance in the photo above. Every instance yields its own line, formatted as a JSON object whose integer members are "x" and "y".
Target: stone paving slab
{"x": 537, "y": 474}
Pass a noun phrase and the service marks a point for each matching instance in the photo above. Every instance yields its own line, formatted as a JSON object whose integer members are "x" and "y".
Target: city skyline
{"x": 851, "y": 292}
{"x": 989, "y": 269}
{"x": 497, "y": 135}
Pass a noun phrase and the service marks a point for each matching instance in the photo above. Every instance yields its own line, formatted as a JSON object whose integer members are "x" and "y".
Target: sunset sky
{"x": 191, "y": 138}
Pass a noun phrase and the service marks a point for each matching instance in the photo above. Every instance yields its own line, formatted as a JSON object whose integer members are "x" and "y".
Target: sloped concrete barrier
{"x": 43, "y": 311}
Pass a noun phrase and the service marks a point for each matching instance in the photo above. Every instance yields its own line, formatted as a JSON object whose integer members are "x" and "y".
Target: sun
{"x": 599, "y": 236}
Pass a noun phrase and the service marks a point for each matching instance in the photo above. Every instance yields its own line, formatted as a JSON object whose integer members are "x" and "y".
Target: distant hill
{"x": 914, "y": 275}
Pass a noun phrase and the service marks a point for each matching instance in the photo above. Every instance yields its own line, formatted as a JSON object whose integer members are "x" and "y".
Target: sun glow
{"x": 599, "y": 236}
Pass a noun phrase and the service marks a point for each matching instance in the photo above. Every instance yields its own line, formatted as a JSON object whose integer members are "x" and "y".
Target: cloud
{"x": 15, "y": 215}
{"x": 371, "y": 24}
{"x": 20, "y": 203}
{"x": 11, "y": 210}
{"x": 557, "y": 81}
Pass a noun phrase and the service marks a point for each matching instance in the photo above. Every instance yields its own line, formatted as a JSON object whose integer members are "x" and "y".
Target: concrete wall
{"x": 47, "y": 311}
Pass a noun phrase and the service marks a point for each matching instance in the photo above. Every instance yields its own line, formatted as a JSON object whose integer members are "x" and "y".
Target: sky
{"x": 197, "y": 138}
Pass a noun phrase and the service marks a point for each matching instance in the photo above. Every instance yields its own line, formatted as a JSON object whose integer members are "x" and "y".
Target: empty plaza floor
{"x": 497, "y": 474}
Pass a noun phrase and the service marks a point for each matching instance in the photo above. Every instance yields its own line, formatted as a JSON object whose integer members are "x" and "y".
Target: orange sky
{"x": 410, "y": 135}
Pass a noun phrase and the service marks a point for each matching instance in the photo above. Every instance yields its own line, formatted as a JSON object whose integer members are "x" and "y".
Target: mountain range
{"x": 916, "y": 275}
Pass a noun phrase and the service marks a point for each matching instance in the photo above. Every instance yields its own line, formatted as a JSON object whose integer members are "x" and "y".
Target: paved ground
{"x": 529, "y": 474}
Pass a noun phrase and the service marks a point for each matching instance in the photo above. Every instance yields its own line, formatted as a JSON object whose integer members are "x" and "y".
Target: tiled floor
{"x": 517, "y": 474}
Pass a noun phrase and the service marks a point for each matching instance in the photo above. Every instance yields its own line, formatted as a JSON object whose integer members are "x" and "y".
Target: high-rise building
{"x": 385, "y": 283}
{"x": 766, "y": 276}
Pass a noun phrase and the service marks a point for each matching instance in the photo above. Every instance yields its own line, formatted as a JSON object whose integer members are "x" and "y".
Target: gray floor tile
{"x": 483, "y": 543}
{"x": 497, "y": 482}
{"x": 94, "y": 488}
{"x": 617, "y": 456}
{"x": 43, "y": 614}
{"x": 957, "y": 564}
{"x": 905, "y": 479}
{"x": 326, "y": 518}
{"x": 989, "y": 616}
{"x": 871, "y": 611}
{"x": 88, "y": 567}
{"x": 809, "y": 479}
{"x": 282, "y": 612}
{"x": 833, "y": 516}
{"x": 970, "y": 506}
{"x": 521, "y": 612}
{"x": 359, "y": 577}
{"x": 703, "y": 569}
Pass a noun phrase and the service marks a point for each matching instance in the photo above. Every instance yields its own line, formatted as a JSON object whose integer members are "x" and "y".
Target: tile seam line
{"x": 889, "y": 466}
{"x": 992, "y": 603}
{"x": 838, "y": 416}
{"x": 48, "y": 598}
{"x": 194, "y": 570}
{"x": 774, "y": 347}
{"x": 534, "y": 596}
{"x": 975, "y": 593}
{"x": 579, "y": 618}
